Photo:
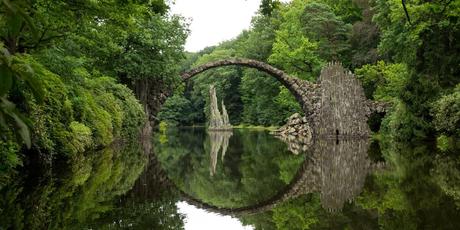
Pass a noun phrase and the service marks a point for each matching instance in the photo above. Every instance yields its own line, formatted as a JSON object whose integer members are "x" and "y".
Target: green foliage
{"x": 9, "y": 157}
{"x": 382, "y": 81}
{"x": 293, "y": 51}
{"x": 260, "y": 93}
{"x": 109, "y": 110}
{"x": 267, "y": 6}
{"x": 446, "y": 113}
{"x": 82, "y": 134}
{"x": 65, "y": 85}
{"x": 349, "y": 11}
{"x": 403, "y": 125}
{"x": 442, "y": 142}
{"x": 300, "y": 213}
{"x": 320, "y": 24}
{"x": 15, "y": 71}
{"x": 176, "y": 110}
{"x": 429, "y": 46}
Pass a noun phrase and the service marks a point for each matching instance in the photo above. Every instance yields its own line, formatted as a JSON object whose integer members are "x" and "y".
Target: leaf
{"x": 29, "y": 22}
{"x": 6, "y": 79}
{"x": 26, "y": 73}
{"x": 9, "y": 109}
{"x": 23, "y": 129}
{"x": 14, "y": 22}
{"x": 17, "y": 15}
{"x": 5, "y": 55}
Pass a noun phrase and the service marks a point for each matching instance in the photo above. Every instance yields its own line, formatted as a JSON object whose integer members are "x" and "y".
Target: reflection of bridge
{"x": 335, "y": 169}
{"x": 336, "y": 105}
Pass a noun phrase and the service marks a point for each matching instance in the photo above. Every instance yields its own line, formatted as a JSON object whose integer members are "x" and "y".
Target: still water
{"x": 242, "y": 179}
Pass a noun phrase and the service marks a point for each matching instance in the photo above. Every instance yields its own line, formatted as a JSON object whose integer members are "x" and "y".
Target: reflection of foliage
{"x": 408, "y": 196}
{"x": 262, "y": 220}
{"x": 161, "y": 214}
{"x": 251, "y": 171}
{"x": 81, "y": 192}
{"x": 417, "y": 190}
{"x": 447, "y": 175}
{"x": 298, "y": 213}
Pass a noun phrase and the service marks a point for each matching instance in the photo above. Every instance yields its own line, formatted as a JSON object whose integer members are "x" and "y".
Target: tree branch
{"x": 405, "y": 11}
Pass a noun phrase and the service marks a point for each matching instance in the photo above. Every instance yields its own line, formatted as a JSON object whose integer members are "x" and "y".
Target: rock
{"x": 296, "y": 133}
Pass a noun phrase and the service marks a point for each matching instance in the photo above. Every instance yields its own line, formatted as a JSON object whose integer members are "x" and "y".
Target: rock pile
{"x": 296, "y": 133}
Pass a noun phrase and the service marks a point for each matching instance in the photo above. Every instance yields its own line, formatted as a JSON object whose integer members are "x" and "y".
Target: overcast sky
{"x": 198, "y": 219}
{"x": 214, "y": 21}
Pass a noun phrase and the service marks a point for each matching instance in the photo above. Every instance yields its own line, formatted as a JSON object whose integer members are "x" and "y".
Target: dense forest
{"x": 410, "y": 61}
{"x": 69, "y": 70}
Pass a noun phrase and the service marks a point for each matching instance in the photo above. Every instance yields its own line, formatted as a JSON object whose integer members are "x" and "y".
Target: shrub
{"x": 446, "y": 113}
{"x": 76, "y": 115}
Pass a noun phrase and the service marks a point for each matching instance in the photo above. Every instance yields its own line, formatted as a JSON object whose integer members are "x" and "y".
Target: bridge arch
{"x": 335, "y": 106}
{"x": 303, "y": 91}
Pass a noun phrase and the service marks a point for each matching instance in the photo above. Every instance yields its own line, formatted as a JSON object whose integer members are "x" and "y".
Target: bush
{"x": 383, "y": 81}
{"x": 76, "y": 115}
{"x": 402, "y": 125}
{"x": 82, "y": 136}
{"x": 446, "y": 113}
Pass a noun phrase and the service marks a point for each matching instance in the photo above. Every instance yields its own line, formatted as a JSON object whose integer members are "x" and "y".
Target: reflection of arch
{"x": 336, "y": 170}
{"x": 265, "y": 205}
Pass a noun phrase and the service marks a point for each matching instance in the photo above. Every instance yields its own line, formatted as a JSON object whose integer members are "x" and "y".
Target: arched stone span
{"x": 336, "y": 105}
{"x": 304, "y": 91}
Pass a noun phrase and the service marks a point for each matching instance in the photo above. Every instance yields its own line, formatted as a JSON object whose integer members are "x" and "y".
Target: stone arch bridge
{"x": 334, "y": 106}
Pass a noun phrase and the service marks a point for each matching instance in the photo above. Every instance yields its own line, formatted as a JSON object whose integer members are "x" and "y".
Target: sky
{"x": 214, "y": 21}
{"x": 201, "y": 220}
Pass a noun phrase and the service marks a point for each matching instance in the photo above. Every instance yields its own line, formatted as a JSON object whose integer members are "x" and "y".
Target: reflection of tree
{"x": 413, "y": 192}
{"x": 219, "y": 140}
{"x": 409, "y": 195}
{"x": 78, "y": 195}
{"x": 150, "y": 204}
{"x": 447, "y": 176}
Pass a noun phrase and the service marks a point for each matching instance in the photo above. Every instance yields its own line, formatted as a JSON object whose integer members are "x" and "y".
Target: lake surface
{"x": 243, "y": 179}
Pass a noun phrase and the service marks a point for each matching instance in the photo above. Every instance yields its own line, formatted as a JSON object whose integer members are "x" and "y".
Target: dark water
{"x": 245, "y": 178}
